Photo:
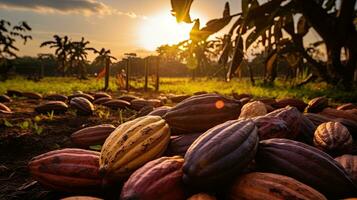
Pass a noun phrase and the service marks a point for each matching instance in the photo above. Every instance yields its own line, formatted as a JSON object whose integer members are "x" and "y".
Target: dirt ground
{"x": 19, "y": 143}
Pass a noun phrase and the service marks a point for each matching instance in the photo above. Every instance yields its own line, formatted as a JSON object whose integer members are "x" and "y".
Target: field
{"x": 186, "y": 86}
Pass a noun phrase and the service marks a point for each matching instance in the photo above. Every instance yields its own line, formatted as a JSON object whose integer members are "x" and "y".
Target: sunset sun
{"x": 162, "y": 29}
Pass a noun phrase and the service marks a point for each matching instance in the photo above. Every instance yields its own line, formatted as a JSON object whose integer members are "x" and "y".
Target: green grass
{"x": 185, "y": 86}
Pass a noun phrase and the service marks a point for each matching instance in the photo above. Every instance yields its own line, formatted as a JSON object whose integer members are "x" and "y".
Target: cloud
{"x": 85, "y": 7}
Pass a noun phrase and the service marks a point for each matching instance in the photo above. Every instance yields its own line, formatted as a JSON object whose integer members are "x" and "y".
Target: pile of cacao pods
{"x": 212, "y": 147}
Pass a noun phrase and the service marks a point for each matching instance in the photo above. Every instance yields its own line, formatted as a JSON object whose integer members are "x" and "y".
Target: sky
{"x": 122, "y": 26}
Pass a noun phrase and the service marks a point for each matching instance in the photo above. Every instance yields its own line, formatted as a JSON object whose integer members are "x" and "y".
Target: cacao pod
{"x": 159, "y": 179}
{"x": 83, "y": 95}
{"x": 82, "y": 105}
{"x": 138, "y": 104}
{"x": 241, "y": 96}
{"x": 5, "y": 99}
{"x": 291, "y": 116}
{"x": 200, "y": 93}
{"x": 56, "y": 97}
{"x": 132, "y": 144}
{"x": 99, "y": 95}
{"x": 179, "y": 98}
{"x": 269, "y": 108}
{"x": 306, "y": 164}
{"x": 200, "y": 113}
{"x": 116, "y": 104}
{"x": 300, "y": 105}
{"x": 317, "y": 104}
{"x": 102, "y": 100}
{"x": 144, "y": 111}
{"x": 307, "y": 130}
{"x": 55, "y": 106}
{"x": 347, "y": 106}
{"x": 4, "y": 108}
{"x": 268, "y": 101}
{"x": 220, "y": 154}
{"x": 349, "y": 163}
{"x": 261, "y": 186}
{"x": 93, "y": 135}
{"x": 127, "y": 98}
{"x": 68, "y": 170}
{"x": 202, "y": 196}
{"x": 333, "y": 138}
{"x": 160, "y": 111}
{"x": 253, "y": 109}
{"x": 155, "y": 103}
{"x": 32, "y": 95}
{"x": 179, "y": 144}
{"x": 245, "y": 100}
{"x": 12, "y": 93}
{"x": 271, "y": 127}
{"x": 81, "y": 198}
{"x": 333, "y": 113}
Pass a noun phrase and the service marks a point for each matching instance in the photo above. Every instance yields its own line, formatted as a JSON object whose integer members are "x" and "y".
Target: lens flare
{"x": 219, "y": 104}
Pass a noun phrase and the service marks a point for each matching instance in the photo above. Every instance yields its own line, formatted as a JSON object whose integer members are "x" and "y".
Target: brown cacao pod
{"x": 291, "y": 116}
{"x": 56, "y": 97}
{"x": 253, "y": 109}
{"x": 271, "y": 127}
{"x": 155, "y": 103}
{"x": 12, "y": 93}
{"x": 269, "y": 108}
{"x": 333, "y": 113}
{"x": 179, "y": 98}
{"x": 82, "y": 105}
{"x": 127, "y": 98}
{"x": 179, "y": 144}
{"x": 245, "y": 100}
{"x": 202, "y": 196}
{"x": 300, "y": 105}
{"x": 268, "y": 101}
{"x": 83, "y": 95}
{"x": 333, "y": 138}
{"x": 116, "y": 104}
{"x": 241, "y": 96}
{"x": 306, "y": 164}
{"x": 81, "y": 198}
{"x": 347, "y": 106}
{"x": 160, "y": 111}
{"x": 55, "y": 106}
{"x": 102, "y": 100}
{"x": 138, "y": 104}
{"x": 317, "y": 104}
{"x": 93, "y": 135}
{"x": 32, "y": 95}
{"x": 144, "y": 111}
{"x": 4, "y": 108}
{"x": 220, "y": 154}
{"x": 260, "y": 186}
{"x": 349, "y": 163}
{"x": 317, "y": 119}
{"x": 159, "y": 179}
{"x": 307, "y": 130}
{"x": 200, "y": 93}
{"x": 68, "y": 170}
{"x": 200, "y": 113}
{"x": 99, "y": 95}
{"x": 5, "y": 99}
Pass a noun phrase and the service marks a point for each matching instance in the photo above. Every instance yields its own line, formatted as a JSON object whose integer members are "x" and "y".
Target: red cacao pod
{"x": 300, "y": 105}
{"x": 317, "y": 104}
{"x": 93, "y": 135}
{"x": 56, "y": 97}
{"x": 82, "y": 105}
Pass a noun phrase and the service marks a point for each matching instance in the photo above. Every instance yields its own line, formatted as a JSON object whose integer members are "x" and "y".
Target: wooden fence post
{"x": 127, "y": 74}
{"x": 157, "y": 74}
{"x": 146, "y": 73}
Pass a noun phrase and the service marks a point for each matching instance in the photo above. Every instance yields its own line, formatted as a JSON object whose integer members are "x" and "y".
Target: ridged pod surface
{"x": 138, "y": 104}
{"x": 144, "y": 111}
{"x": 221, "y": 153}
{"x": 56, "y": 97}
{"x": 349, "y": 163}
{"x": 68, "y": 170}
{"x": 127, "y": 98}
{"x": 179, "y": 144}
{"x": 262, "y": 186}
{"x": 99, "y": 95}
{"x": 291, "y": 116}
{"x": 82, "y": 105}
{"x": 55, "y": 106}
{"x": 83, "y": 95}
{"x": 333, "y": 138}
{"x": 12, "y": 93}
{"x": 202, "y": 196}
{"x": 347, "y": 106}
{"x": 133, "y": 144}
{"x": 160, "y": 179}
{"x": 333, "y": 113}
{"x": 32, "y": 95}
{"x": 297, "y": 103}
{"x": 160, "y": 111}
{"x": 253, "y": 109}
{"x": 307, "y": 130}
{"x": 116, "y": 104}
{"x": 306, "y": 164}
{"x": 93, "y": 135}
{"x": 271, "y": 127}
{"x": 102, "y": 100}
{"x": 199, "y": 113}
{"x": 317, "y": 104}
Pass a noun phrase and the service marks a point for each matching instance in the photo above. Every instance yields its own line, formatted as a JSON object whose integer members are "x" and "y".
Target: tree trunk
{"x": 107, "y": 74}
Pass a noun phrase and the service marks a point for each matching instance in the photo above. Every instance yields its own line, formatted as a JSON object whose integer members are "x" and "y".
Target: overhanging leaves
{"x": 181, "y": 10}
{"x": 238, "y": 56}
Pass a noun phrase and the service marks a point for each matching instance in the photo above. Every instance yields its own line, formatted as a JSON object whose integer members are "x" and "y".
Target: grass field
{"x": 184, "y": 86}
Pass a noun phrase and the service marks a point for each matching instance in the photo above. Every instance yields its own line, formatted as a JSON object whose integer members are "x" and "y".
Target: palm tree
{"x": 62, "y": 46}
{"x": 104, "y": 58}
{"x": 78, "y": 56}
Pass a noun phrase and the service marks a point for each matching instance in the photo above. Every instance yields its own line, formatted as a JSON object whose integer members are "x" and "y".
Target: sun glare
{"x": 162, "y": 29}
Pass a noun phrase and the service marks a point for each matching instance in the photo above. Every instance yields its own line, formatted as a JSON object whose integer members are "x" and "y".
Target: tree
{"x": 63, "y": 48}
{"x": 78, "y": 56}
{"x": 265, "y": 21}
{"x": 8, "y": 36}
{"x": 104, "y": 58}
